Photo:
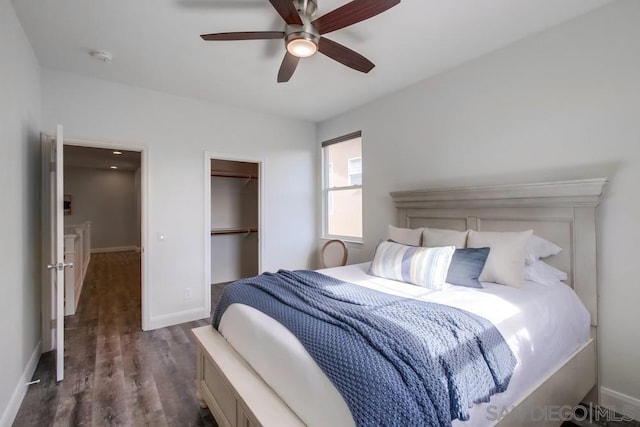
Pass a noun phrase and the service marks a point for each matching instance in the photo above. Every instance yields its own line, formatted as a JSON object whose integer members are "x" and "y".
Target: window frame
{"x": 326, "y": 190}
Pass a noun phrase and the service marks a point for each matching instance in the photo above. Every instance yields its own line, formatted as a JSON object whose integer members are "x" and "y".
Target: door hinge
{"x": 53, "y": 167}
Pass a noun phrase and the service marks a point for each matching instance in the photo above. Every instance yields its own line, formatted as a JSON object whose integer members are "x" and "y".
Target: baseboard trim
{"x": 619, "y": 402}
{"x": 9, "y": 414}
{"x": 157, "y": 322}
{"x": 114, "y": 249}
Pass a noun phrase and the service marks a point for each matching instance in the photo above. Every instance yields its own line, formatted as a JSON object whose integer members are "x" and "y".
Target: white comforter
{"x": 542, "y": 324}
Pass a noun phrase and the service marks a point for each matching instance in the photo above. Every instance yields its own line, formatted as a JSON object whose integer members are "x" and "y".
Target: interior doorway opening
{"x": 106, "y": 185}
{"x": 102, "y": 216}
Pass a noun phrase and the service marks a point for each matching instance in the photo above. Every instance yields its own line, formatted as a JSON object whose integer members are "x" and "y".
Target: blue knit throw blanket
{"x": 395, "y": 361}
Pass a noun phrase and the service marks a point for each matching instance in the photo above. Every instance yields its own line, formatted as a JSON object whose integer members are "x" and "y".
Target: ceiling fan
{"x": 303, "y": 34}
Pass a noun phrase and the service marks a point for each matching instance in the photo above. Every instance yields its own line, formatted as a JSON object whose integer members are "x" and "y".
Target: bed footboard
{"x": 234, "y": 393}
{"x": 557, "y": 394}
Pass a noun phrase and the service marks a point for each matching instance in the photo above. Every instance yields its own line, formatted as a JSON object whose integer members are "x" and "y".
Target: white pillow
{"x": 505, "y": 264}
{"x": 544, "y": 274}
{"x": 405, "y": 236}
{"x": 426, "y": 267}
{"x": 436, "y": 237}
{"x": 537, "y": 248}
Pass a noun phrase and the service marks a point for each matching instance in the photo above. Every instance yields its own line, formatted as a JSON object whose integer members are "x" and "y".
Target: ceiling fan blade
{"x": 287, "y": 10}
{"x": 352, "y": 13}
{"x": 289, "y": 64}
{"x": 344, "y": 55}
{"x": 246, "y": 35}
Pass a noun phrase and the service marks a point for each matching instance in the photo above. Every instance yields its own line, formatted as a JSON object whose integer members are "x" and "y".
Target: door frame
{"x": 47, "y": 298}
{"x": 208, "y": 156}
{"x": 145, "y": 291}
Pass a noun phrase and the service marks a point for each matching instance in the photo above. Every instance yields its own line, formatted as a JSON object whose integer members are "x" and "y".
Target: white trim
{"x": 619, "y": 402}
{"x": 145, "y": 290}
{"x": 10, "y": 412}
{"x": 145, "y": 294}
{"x": 207, "y": 233}
{"x": 262, "y": 235}
{"x": 45, "y": 231}
{"x": 171, "y": 319}
{"x": 114, "y": 249}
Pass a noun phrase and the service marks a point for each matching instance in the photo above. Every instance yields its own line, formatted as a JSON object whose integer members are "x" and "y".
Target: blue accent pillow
{"x": 466, "y": 266}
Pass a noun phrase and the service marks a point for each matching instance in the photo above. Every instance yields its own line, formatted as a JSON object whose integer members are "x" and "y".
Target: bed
{"x": 255, "y": 389}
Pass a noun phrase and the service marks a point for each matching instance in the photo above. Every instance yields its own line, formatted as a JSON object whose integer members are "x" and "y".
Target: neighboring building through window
{"x": 342, "y": 187}
{"x": 355, "y": 171}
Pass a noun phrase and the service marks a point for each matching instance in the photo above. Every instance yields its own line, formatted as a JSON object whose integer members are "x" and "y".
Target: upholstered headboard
{"x": 562, "y": 212}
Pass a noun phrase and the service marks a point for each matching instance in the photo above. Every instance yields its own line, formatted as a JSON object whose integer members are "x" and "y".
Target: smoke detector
{"x": 101, "y": 55}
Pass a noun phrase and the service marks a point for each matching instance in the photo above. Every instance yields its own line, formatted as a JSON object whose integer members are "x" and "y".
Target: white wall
{"x": 177, "y": 132}
{"x": 20, "y": 110}
{"x": 107, "y": 198}
{"x": 564, "y": 104}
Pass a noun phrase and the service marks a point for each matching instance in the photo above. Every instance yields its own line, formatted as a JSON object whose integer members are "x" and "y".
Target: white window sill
{"x": 348, "y": 242}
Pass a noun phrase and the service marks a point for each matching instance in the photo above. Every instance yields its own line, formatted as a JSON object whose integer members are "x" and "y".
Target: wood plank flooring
{"x": 116, "y": 374}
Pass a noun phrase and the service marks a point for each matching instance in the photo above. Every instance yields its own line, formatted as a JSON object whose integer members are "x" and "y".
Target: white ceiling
{"x": 156, "y": 45}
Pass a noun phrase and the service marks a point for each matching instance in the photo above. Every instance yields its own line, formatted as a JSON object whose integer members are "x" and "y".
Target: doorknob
{"x": 60, "y": 266}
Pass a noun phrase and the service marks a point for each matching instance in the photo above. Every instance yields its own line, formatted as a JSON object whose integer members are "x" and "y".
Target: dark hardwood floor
{"x": 116, "y": 374}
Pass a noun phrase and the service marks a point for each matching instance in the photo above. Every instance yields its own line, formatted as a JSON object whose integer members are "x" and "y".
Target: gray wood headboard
{"x": 562, "y": 212}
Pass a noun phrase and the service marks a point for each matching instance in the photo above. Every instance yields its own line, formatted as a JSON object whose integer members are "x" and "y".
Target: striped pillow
{"x": 426, "y": 267}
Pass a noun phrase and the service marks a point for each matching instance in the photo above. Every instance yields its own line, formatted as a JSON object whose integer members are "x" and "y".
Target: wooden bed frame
{"x": 563, "y": 212}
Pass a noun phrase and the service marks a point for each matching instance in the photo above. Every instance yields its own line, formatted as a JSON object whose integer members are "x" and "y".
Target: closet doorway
{"x": 233, "y": 248}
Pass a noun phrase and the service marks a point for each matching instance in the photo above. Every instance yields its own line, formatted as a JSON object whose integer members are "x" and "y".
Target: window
{"x": 342, "y": 187}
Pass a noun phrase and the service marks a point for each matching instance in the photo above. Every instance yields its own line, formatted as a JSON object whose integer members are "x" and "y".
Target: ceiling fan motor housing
{"x": 306, "y": 31}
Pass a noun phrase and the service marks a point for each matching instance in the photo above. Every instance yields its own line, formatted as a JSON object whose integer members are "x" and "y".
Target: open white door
{"x": 53, "y": 248}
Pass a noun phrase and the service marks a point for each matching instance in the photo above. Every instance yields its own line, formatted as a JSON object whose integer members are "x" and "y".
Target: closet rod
{"x": 233, "y": 175}
{"x": 218, "y": 232}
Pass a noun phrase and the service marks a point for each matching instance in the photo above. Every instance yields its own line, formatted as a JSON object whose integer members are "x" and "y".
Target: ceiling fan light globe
{"x": 302, "y": 48}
